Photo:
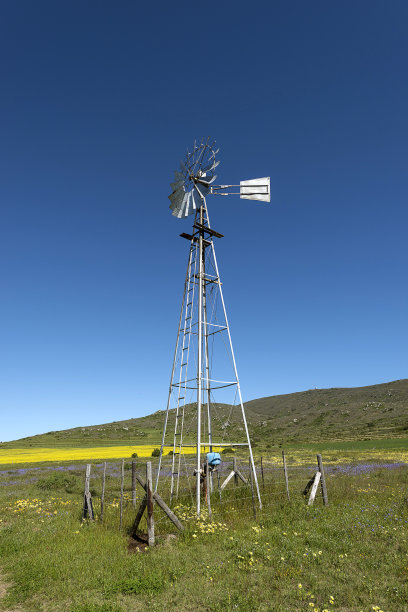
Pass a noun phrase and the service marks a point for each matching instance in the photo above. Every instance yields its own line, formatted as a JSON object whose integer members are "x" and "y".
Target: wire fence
{"x": 117, "y": 495}
{"x": 277, "y": 484}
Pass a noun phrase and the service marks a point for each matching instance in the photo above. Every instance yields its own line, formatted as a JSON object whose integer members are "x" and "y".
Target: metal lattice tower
{"x": 203, "y": 321}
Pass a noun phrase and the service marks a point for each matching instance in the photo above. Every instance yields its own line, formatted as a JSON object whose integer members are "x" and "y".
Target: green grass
{"x": 354, "y": 445}
{"x": 354, "y": 550}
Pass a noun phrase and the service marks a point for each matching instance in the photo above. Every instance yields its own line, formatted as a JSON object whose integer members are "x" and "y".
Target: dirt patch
{"x": 137, "y": 544}
{"x": 3, "y": 587}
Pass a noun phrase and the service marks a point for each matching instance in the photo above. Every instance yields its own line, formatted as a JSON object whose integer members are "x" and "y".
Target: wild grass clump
{"x": 58, "y": 481}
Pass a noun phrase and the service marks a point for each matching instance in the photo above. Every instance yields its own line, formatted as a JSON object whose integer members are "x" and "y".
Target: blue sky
{"x": 99, "y": 102}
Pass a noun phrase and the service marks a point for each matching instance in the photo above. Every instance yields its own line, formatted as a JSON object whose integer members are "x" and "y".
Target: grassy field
{"x": 336, "y": 452}
{"x": 351, "y": 555}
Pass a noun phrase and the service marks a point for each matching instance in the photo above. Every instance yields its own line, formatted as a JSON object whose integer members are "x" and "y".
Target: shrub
{"x": 134, "y": 455}
{"x": 156, "y": 452}
{"x": 228, "y": 451}
{"x": 57, "y": 481}
{"x": 170, "y": 452}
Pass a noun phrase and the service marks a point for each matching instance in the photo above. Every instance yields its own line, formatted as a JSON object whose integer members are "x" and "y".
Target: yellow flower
{"x": 299, "y": 586}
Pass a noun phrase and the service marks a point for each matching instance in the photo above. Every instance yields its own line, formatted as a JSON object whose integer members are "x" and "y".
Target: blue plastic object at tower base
{"x": 213, "y": 459}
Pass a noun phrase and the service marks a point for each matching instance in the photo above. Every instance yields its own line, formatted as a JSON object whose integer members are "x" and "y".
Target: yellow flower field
{"x": 35, "y": 455}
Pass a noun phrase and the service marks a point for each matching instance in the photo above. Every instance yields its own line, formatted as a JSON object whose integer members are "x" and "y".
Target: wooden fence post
{"x": 103, "y": 489}
{"x": 122, "y": 482}
{"x": 285, "y": 471}
{"x": 149, "y": 493}
{"x": 87, "y": 509}
{"x": 134, "y": 483}
{"x": 322, "y": 480}
{"x": 251, "y": 478}
{"x": 207, "y": 475}
{"x": 234, "y": 468}
{"x": 262, "y": 474}
{"x": 314, "y": 488}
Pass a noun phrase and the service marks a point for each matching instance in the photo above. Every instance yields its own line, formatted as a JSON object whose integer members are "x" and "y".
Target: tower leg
{"x": 236, "y": 374}
{"x": 199, "y": 361}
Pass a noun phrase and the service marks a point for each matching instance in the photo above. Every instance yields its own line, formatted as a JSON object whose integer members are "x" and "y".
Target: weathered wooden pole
{"x": 87, "y": 509}
{"x": 149, "y": 494}
{"x": 262, "y": 474}
{"x": 134, "y": 483}
{"x": 122, "y": 482}
{"x": 207, "y": 475}
{"x": 103, "y": 489}
{"x": 285, "y": 471}
{"x": 234, "y": 467}
{"x": 315, "y": 484}
{"x": 251, "y": 478}
{"x": 322, "y": 480}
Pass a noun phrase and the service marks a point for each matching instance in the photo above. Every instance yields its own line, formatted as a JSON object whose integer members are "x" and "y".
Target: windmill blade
{"x": 256, "y": 189}
{"x": 193, "y": 178}
{"x": 179, "y": 210}
{"x": 205, "y": 182}
{"x": 196, "y": 199}
{"x": 211, "y": 166}
{"x": 176, "y": 185}
{"x": 176, "y": 198}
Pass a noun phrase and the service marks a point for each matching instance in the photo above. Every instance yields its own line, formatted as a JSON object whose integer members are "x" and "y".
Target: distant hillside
{"x": 319, "y": 414}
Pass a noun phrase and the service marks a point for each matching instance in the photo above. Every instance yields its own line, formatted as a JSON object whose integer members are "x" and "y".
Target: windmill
{"x": 199, "y": 324}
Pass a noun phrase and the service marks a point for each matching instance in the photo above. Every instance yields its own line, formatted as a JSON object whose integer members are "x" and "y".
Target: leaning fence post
{"x": 251, "y": 478}
{"x": 285, "y": 471}
{"x": 322, "y": 480}
{"x": 134, "y": 483}
{"x": 315, "y": 484}
{"x": 103, "y": 489}
{"x": 149, "y": 493}
{"x": 122, "y": 482}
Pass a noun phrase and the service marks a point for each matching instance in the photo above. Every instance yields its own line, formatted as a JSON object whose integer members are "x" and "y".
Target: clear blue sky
{"x": 98, "y": 103}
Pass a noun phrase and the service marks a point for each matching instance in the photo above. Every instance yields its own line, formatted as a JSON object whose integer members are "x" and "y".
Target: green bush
{"x": 170, "y": 452}
{"x": 228, "y": 451}
{"x": 134, "y": 455}
{"x": 156, "y": 452}
{"x": 57, "y": 481}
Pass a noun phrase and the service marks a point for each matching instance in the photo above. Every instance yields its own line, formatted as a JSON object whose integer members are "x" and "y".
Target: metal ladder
{"x": 186, "y": 331}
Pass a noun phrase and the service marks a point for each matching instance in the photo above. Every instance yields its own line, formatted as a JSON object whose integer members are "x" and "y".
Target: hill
{"x": 374, "y": 412}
